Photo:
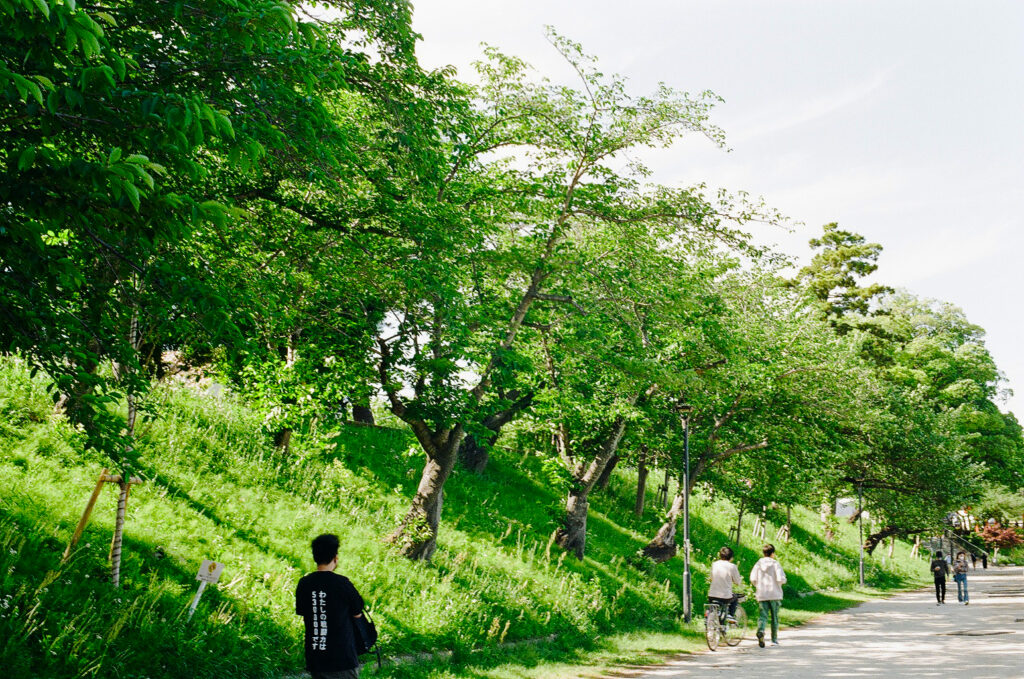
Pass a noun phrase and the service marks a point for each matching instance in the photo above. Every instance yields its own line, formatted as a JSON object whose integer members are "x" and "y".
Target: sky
{"x": 902, "y": 121}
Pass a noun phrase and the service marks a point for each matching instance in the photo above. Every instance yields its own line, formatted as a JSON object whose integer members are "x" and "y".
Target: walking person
{"x": 724, "y": 574}
{"x": 328, "y": 603}
{"x": 960, "y": 576}
{"x": 940, "y": 569}
{"x": 768, "y": 578}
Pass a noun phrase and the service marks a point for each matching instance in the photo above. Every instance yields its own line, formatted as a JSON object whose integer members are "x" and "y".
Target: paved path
{"x": 904, "y": 636}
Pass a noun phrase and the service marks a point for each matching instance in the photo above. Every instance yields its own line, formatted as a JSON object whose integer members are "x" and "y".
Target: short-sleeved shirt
{"x": 328, "y": 602}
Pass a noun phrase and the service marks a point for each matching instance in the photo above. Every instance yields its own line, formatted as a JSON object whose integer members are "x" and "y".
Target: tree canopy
{"x": 294, "y": 202}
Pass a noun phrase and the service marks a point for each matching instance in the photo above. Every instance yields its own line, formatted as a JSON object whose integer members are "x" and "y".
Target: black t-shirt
{"x": 328, "y": 602}
{"x": 939, "y": 569}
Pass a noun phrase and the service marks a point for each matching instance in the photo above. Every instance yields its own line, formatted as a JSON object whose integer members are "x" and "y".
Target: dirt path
{"x": 904, "y": 636}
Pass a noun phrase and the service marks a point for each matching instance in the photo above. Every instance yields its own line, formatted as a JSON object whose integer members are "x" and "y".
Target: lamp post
{"x": 860, "y": 526}
{"x": 684, "y": 411}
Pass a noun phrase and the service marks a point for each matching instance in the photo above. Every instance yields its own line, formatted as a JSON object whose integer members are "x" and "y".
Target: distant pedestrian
{"x": 940, "y": 569}
{"x": 328, "y": 603}
{"x": 960, "y": 576}
{"x": 768, "y": 578}
{"x": 724, "y": 575}
{"x": 974, "y": 560}
{"x": 984, "y": 560}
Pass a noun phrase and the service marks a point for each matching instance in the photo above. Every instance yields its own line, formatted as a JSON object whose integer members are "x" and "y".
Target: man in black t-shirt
{"x": 328, "y": 602}
{"x": 939, "y": 569}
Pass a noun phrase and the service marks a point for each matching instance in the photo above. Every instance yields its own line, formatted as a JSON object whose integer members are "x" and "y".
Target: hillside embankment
{"x": 497, "y": 599}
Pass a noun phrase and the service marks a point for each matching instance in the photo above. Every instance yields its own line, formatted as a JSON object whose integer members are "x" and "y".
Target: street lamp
{"x": 684, "y": 411}
{"x": 860, "y": 527}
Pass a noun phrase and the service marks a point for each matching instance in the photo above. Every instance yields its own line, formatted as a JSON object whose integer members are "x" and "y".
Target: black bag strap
{"x": 376, "y": 647}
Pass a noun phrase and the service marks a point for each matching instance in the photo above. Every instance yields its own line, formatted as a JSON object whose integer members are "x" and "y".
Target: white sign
{"x": 210, "y": 571}
{"x": 846, "y": 506}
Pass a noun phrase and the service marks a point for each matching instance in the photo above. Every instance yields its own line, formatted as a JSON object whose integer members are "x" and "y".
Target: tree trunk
{"x": 827, "y": 513}
{"x": 151, "y": 359}
{"x": 282, "y": 441}
{"x": 875, "y": 538}
{"x": 739, "y": 525}
{"x": 416, "y": 535}
{"x": 641, "y": 481}
{"x": 122, "y": 498}
{"x": 362, "y": 414}
{"x": 663, "y": 547}
{"x": 606, "y": 475}
{"x": 115, "y": 545}
{"x": 474, "y": 456}
{"x": 572, "y": 536}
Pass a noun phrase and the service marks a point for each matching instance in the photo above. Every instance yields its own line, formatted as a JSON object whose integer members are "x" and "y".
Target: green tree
{"x": 636, "y": 306}
{"x": 454, "y": 339}
{"x": 832, "y": 278}
{"x": 765, "y": 415}
{"x": 122, "y": 126}
{"x": 114, "y": 120}
{"x": 944, "y": 354}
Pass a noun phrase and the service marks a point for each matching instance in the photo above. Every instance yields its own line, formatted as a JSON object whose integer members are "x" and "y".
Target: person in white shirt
{"x": 724, "y": 575}
{"x": 768, "y": 578}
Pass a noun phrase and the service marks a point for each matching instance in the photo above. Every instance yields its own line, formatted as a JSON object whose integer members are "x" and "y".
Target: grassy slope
{"x": 216, "y": 490}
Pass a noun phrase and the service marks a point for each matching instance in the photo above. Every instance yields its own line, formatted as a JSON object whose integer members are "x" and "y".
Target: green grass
{"x": 497, "y": 599}
{"x": 1011, "y": 557}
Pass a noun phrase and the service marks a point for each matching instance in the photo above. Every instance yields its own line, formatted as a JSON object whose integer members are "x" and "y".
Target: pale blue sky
{"x": 903, "y": 121}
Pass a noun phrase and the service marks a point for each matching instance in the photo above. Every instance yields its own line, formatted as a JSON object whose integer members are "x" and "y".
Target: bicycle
{"x": 718, "y": 628}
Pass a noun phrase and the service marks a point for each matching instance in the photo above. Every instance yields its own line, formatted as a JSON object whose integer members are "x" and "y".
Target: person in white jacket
{"x": 768, "y": 578}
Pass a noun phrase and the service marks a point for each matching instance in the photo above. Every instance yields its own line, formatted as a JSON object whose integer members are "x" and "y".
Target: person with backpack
{"x": 768, "y": 578}
{"x": 960, "y": 577}
{"x": 329, "y": 604}
{"x": 939, "y": 569}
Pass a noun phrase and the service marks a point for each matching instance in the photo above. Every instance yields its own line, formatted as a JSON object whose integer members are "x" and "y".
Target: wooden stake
{"x": 85, "y": 516}
{"x": 105, "y": 477}
{"x": 739, "y": 525}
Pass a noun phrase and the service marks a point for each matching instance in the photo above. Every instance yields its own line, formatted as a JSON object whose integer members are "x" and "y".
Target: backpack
{"x": 366, "y": 635}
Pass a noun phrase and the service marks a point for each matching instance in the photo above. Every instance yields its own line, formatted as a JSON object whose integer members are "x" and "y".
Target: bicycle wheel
{"x": 711, "y": 629}
{"x": 734, "y": 632}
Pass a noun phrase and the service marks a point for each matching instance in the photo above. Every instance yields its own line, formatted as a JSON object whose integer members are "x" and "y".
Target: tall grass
{"x": 215, "y": 488}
